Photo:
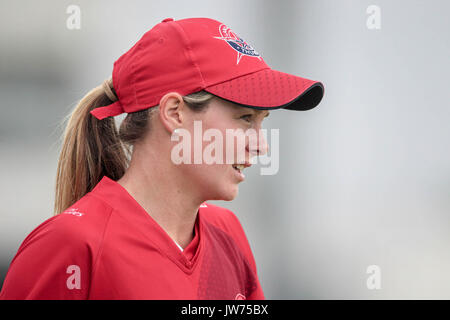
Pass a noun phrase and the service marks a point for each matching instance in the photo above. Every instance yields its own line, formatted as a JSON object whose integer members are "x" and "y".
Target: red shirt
{"x": 106, "y": 246}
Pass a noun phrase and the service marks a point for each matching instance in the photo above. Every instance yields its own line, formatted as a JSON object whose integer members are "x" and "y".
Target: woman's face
{"x": 216, "y": 176}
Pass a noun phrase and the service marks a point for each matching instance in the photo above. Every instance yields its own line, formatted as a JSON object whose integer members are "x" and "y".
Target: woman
{"x": 135, "y": 224}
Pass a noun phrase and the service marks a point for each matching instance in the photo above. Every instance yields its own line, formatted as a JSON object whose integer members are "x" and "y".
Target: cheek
{"x": 204, "y": 174}
{"x": 235, "y": 148}
{"x": 231, "y": 148}
{"x": 212, "y": 174}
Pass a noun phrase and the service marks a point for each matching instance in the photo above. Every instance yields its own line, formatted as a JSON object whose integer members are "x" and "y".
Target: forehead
{"x": 240, "y": 108}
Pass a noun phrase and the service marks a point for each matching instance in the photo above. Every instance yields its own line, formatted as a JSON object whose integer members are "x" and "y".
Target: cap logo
{"x": 237, "y": 43}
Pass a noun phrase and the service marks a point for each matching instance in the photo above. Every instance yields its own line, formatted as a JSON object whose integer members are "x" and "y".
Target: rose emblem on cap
{"x": 237, "y": 43}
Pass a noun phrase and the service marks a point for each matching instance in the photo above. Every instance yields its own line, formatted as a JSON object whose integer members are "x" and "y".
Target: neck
{"x": 155, "y": 185}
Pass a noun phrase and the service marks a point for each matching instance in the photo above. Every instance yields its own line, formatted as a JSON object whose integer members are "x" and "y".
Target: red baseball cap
{"x": 195, "y": 54}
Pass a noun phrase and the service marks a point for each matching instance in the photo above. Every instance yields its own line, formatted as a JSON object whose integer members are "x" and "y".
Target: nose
{"x": 260, "y": 148}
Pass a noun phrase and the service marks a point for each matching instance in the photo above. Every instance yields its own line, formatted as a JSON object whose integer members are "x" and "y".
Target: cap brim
{"x": 271, "y": 89}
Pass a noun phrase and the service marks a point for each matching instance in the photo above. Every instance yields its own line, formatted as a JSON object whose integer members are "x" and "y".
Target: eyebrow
{"x": 268, "y": 113}
{"x": 239, "y": 108}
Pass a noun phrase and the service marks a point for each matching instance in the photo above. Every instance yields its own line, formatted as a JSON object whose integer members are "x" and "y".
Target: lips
{"x": 238, "y": 167}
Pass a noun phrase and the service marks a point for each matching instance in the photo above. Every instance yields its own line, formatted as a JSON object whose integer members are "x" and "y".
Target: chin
{"x": 226, "y": 194}
{"x": 229, "y": 197}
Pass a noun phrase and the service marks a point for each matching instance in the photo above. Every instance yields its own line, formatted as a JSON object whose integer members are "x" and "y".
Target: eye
{"x": 247, "y": 117}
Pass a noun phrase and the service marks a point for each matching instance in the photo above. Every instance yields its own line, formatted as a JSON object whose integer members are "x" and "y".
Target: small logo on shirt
{"x": 73, "y": 211}
{"x": 239, "y": 296}
{"x": 238, "y": 44}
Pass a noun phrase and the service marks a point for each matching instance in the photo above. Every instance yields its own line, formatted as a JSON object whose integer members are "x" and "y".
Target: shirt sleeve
{"x": 53, "y": 262}
{"x": 239, "y": 234}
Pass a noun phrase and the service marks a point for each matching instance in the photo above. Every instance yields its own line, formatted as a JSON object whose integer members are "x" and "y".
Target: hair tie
{"x": 107, "y": 88}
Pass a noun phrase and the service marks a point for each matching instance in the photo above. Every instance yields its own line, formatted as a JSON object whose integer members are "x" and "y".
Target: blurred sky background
{"x": 364, "y": 178}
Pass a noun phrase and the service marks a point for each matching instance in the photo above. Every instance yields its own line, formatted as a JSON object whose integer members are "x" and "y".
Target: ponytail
{"x": 93, "y": 148}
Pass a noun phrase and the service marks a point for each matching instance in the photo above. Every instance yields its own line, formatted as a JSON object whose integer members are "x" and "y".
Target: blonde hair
{"x": 93, "y": 148}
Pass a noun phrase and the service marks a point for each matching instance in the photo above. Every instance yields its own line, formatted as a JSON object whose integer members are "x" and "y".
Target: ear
{"x": 171, "y": 111}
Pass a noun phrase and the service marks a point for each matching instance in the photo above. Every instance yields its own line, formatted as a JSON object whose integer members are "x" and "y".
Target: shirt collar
{"x": 117, "y": 197}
